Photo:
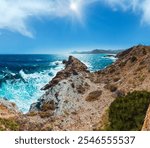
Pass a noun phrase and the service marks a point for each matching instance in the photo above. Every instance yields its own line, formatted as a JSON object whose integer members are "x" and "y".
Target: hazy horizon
{"x": 64, "y": 53}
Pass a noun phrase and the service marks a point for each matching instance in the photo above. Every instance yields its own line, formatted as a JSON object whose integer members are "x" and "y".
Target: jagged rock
{"x": 72, "y": 66}
{"x": 64, "y": 61}
{"x": 60, "y": 87}
{"x": 59, "y": 93}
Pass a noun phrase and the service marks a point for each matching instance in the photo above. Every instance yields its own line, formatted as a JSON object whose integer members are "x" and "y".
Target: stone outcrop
{"x": 72, "y": 66}
{"x": 68, "y": 83}
{"x": 67, "y": 98}
{"x": 130, "y": 72}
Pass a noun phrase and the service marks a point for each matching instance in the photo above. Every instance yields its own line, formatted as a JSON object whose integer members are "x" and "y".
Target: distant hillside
{"x": 98, "y": 51}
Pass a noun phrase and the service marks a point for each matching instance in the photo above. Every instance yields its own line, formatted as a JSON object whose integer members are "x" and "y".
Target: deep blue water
{"x": 22, "y": 76}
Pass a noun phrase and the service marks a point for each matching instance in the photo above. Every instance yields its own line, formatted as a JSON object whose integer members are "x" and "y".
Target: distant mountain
{"x": 98, "y": 51}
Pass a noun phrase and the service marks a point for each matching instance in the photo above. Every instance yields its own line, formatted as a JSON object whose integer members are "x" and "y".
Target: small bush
{"x": 8, "y": 125}
{"x": 31, "y": 114}
{"x": 111, "y": 87}
{"x": 127, "y": 113}
{"x": 93, "y": 96}
{"x": 122, "y": 64}
{"x": 46, "y": 114}
{"x": 133, "y": 59}
{"x": 48, "y": 106}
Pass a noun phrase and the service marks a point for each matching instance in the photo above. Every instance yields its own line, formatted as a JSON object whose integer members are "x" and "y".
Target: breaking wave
{"x": 25, "y": 88}
{"x": 23, "y": 76}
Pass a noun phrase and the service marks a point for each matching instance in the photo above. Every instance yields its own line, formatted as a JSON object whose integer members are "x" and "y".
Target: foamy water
{"x": 23, "y": 76}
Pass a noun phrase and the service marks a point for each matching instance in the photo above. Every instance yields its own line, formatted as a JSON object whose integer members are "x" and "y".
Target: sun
{"x": 74, "y": 7}
{"x": 76, "y": 10}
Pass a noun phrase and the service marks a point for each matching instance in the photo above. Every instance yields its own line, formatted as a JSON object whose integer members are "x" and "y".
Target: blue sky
{"x": 61, "y": 26}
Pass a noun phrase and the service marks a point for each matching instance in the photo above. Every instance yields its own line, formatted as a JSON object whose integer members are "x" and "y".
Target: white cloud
{"x": 118, "y": 3}
{"x": 140, "y": 7}
{"x": 14, "y": 14}
{"x": 145, "y": 8}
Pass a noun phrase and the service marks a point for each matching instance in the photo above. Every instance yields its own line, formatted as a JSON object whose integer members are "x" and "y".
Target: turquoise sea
{"x": 22, "y": 76}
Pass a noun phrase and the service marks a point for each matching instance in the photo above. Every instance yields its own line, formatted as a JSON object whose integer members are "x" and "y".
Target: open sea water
{"x": 23, "y": 76}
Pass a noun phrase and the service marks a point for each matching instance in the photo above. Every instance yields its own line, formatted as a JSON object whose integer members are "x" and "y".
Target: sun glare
{"x": 74, "y": 7}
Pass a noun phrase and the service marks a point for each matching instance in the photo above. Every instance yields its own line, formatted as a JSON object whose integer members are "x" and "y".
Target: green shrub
{"x": 46, "y": 114}
{"x": 8, "y": 124}
{"x": 127, "y": 113}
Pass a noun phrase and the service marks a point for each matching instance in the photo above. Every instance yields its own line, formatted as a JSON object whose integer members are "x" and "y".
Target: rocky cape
{"x": 76, "y": 99}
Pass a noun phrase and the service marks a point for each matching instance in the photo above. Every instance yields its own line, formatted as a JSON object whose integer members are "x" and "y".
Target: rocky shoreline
{"x": 76, "y": 99}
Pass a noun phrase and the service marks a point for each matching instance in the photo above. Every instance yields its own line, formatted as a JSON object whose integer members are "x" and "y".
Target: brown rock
{"x": 72, "y": 66}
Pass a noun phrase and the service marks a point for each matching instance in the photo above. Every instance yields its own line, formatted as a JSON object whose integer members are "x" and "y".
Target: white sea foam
{"x": 110, "y": 57}
{"x": 24, "y": 93}
{"x": 88, "y": 64}
{"x": 113, "y": 59}
{"x": 56, "y": 63}
{"x": 27, "y": 90}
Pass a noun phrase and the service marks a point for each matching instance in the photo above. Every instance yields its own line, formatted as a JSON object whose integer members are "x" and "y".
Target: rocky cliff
{"x": 73, "y": 98}
{"x": 79, "y": 99}
{"x": 76, "y": 99}
{"x": 130, "y": 72}
{"x": 146, "y": 125}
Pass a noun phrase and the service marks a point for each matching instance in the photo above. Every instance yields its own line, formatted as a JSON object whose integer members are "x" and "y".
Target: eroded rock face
{"x": 68, "y": 83}
{"x": 56, "y": 97}
{"x": 72, "y": 66}
{"x": 130, "y": 72}
{"x": 66, "y": 98}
